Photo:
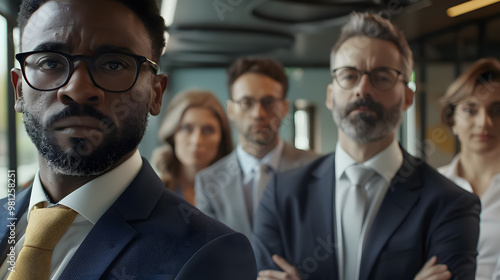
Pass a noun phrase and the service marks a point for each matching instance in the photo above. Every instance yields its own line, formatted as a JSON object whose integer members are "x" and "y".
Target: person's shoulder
{"x": 433, "y": 181}
{"x": 289, "y": 149}
{"x": 229, "y": 256}
{"x": 184, "y": 224}
{"x": 319, "y": 161}
{"x": 445, "y": 169}
{"x": 303, "y": 175}
{"x": 229, "y": 162}
{"x": 207, "y": 245}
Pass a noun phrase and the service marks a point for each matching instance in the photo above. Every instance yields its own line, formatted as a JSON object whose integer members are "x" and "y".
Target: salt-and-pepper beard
{"x": 364, "y": 127}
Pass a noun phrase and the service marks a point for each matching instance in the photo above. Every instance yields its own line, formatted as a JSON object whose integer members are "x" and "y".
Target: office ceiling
{"x": 300, "y": 33}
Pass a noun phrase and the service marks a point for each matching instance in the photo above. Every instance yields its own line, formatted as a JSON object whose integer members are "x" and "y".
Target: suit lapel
{"x": 111, "y": 234}
{"x": 100, "y": 248}
{"x": 22, "y": 202}
{"x": 234, "y": 191}
{"x": 322, "y": 197}
{"x": 397, "y": 204}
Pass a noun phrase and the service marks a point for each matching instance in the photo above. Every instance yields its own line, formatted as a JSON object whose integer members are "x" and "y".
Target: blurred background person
{"x": 471, "y": 108}
{"x": 194, "y": 134}
{"x": 230, "y": 190}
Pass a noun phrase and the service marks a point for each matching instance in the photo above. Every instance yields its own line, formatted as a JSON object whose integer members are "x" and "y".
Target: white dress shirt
{"x": 90, "y": 201}
{"x": 488, "y": 246}
{"x": 250, "y": 163}
{"x": 386, "y": 164}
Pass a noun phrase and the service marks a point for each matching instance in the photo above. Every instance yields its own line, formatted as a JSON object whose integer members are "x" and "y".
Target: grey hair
{"x": 375, "y": 26}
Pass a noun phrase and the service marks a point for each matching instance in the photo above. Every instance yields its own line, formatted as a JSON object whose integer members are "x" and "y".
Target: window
{"x": 27, "y": 163}
{"x": 27, "y": 155}
{"x": 3, "y": 110}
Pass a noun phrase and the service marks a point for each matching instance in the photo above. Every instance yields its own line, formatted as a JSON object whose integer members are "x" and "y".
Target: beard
{"x": 262, "y": 138}
{"x": 364, "y": 127}
{"x": 81, "y": 159}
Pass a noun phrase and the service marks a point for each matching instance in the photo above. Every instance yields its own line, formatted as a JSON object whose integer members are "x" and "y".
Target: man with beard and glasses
{"x": 370, "y": 210}
{"x": 88, "y": 80}
{"x": 230, "y": 189}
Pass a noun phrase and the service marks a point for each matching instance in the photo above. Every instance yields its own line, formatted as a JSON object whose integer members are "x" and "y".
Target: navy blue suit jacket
{"x": 423, "y": 214}
{"x": 150, "y": 233}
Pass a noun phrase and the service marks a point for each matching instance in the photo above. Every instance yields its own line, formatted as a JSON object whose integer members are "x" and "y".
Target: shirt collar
{"x": 452, "y": 169}
{"x": 386, "y": 163}
{"x": 95, "y": 197}
{"x": 451, "y": 172}
{"x": 248, "y": 162}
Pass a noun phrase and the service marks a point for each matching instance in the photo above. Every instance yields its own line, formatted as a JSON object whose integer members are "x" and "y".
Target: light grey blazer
{"x": 219, "y": 188}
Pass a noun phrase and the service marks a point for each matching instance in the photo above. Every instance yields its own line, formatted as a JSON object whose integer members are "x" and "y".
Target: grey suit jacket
{"x": 219, "y": 188}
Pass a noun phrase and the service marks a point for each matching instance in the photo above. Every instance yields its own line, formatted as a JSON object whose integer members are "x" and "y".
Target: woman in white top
{"x": 471, "y": 108}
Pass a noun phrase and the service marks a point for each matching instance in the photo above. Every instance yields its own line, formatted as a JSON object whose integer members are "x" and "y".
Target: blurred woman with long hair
{"x": 194, "y": 134}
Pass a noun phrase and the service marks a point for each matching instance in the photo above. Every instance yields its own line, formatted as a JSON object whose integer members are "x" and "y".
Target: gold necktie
{"x": 45, "y": 228}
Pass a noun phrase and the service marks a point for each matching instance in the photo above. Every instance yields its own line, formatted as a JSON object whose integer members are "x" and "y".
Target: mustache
{"x": 82, "y": 110}
{"x": 368, "y": 103}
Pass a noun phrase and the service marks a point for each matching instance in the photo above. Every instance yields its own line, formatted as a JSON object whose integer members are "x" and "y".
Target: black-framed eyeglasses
{"x": 247, "y": 103}
{"x": 382, "y": 78}
{"x": 112, "y": 72}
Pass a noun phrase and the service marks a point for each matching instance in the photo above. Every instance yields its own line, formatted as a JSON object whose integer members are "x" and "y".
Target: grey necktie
{"x": 260, "y": 180}
{"x": 353, "y": 215}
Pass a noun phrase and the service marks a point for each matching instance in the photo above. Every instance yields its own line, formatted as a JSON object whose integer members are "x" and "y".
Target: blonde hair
{"x": 481, "y": 73}
{"x": 164, "y": 158}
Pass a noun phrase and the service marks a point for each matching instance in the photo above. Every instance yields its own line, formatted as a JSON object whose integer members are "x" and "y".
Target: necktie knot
{"x": 358, "y": 175}
{"x": 45, "y": 227}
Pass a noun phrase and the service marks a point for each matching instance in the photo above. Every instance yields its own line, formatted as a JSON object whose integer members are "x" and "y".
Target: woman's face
{"x": 477, "y": 120}
{"x": 197, "y": 138}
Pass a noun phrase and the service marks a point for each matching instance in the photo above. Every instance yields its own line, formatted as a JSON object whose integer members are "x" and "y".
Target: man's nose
{"x": 364, "y": 86}
{"x": 80, "y": 88}
{"x": 257, "y": 109}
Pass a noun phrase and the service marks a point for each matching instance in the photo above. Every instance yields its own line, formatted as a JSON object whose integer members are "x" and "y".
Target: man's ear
{"x": 329, "y": 97}
{"x": 17, "y": 82}
{"x": 159, "y": 85}
{"x": 409, "y": 95}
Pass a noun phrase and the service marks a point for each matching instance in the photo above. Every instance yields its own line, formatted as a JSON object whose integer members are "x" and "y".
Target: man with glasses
{"x": 230, "y": 190}
{"x": 370, "y": 210}
{"x": 88, "y": 80}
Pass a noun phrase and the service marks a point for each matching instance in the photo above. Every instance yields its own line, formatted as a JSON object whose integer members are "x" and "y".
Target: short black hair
{"x": 260, "y": 65}
{"x": 147, "y": 11}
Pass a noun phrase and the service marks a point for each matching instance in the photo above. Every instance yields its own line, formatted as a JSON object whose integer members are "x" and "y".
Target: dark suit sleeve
{"x": 228, "y": 257}
{"x": 454, "y": 238}
{"x": 266, "y": 232}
